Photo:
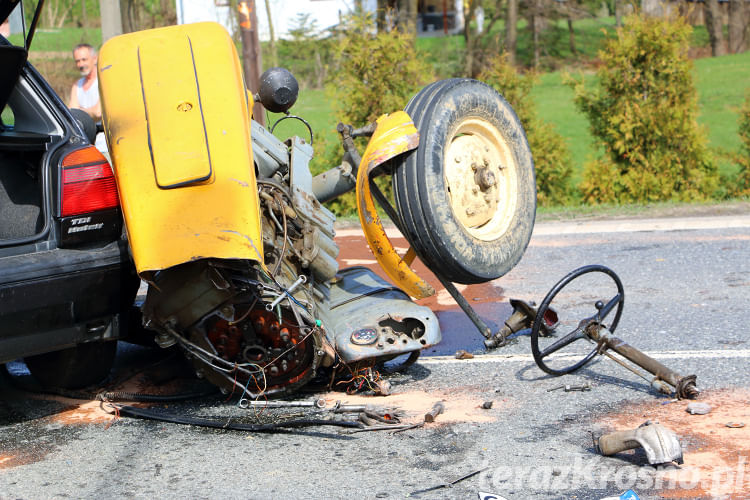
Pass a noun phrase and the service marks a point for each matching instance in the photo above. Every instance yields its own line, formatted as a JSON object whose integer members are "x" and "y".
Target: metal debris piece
{"x": 569, "y": 388}
{"x": 522, "y": 317}
{"x": 461, "y": 354}
{"x": 436, "y": 410}
{"x": 382, "y": 388}
{"x": 735, "y": 425}
{"x": 487, "y": 405}
{"x": 252, "y": 403}
{"x": 698, "y": 408}
{"x": 448, "y": 485}
{"x": 660, "y": 444}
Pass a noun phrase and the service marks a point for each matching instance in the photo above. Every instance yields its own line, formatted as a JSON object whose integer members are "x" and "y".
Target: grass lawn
{"x": 721, "y": 83}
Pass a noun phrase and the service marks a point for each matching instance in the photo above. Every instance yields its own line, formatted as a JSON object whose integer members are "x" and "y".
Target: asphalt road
{"x": 687, "y": 286}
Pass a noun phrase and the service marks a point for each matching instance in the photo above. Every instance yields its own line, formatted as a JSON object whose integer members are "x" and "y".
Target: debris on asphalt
{"x": 487, "y": 405}
{"x": 436, "y": 410}
{"x": 698, "y": 408}
{"x": 569, "y": 388}
{"x": 449, "y": 484}
{"x": 660, "y": 444}
{"x": 735, "y": 425}
{"x": 461, "y": 354}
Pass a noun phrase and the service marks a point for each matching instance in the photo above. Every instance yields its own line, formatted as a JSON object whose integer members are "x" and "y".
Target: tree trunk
{"x": 129, "y": 12}
{"x": 469, "y": 38}
{"x": 511, "y": 32}
{"x": 618, "y": 13}
{"x": 272, "y": 36}
{"x": 571, "y": 36}
{"x": 536, "y": 28}
{"x": 380, "y": 16}
{"x": 737, "y": 26}
{"x": 251, "y": 56}
{"x": 714, "y": 26}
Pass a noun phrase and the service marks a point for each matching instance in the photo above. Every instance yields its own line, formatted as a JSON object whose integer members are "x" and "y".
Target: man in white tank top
{"x": 85, "y": 92}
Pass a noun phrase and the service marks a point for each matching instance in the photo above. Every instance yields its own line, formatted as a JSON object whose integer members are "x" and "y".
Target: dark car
{"x": 67, "y": 282}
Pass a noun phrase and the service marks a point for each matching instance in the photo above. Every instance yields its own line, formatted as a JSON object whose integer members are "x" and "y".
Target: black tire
{"x": 468, "y": 123}
{"x": 73, "y": 368}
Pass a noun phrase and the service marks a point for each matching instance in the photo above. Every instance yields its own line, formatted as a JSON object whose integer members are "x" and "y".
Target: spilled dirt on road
{"x": 717, "y": 457}
{"x": 462, "y": 405}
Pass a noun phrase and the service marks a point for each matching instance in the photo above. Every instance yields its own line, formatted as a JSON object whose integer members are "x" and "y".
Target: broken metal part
{"x": 522, "y": 317}
{"x": 593, "y": 329}
{"x": 660, "y": 444}
{"x": 382, "y": 388}
{"x": 448, "y": 485}
{"x": 568, "y": 388}
{"x": 436, "y": 410}
{"x": 461, "y": 354}
{"x": 698, "y": 408}
{"x": 250, "y": 403}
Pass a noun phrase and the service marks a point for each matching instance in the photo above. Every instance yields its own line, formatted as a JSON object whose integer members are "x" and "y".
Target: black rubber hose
{"x": 131, "y": 411}
{"x": 139, "y": 397}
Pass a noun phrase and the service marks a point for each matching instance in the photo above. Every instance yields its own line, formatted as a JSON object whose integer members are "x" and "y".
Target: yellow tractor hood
{"x": 175, "y": 113}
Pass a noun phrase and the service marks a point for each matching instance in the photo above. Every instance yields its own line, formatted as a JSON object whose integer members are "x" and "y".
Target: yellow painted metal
{"x": 175, "y": 113}
{"x": 395, "y": 134}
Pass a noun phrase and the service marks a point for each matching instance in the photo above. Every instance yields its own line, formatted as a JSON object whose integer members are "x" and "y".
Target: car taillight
{"x": 88, "y": 184}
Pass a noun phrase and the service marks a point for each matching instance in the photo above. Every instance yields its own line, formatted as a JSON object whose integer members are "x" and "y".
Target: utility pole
{"x": 251, "y": 57}
{"x": 111, "y": 18}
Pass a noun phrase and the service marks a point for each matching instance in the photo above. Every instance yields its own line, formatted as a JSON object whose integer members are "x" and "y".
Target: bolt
{"x": 470, "y": 211}
{"x": 274, "y": 370}
{"x": 487, "y": 197}
{"x": 457, "y": 159}
{"x": 474, "y": 167}
{"x": 284, "y": 335}
{"x": 474, "y": 190}
{"x": 486, "y": 179}
{"x": 226, "y": 311}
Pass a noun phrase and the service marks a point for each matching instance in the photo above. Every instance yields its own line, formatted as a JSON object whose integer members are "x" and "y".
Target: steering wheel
{"x": 603, "y": 310}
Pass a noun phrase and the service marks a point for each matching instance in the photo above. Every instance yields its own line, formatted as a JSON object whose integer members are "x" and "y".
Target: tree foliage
{"x": 376, "y": 73}
{"x": 642, "y": 111}
{"x": 742, "y": 186}
{"x": 552, "y": 159}
{"x": 308, "y": 52}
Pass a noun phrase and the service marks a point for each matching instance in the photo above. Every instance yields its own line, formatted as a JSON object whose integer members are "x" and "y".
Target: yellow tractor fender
{"x": 394, "y": 134}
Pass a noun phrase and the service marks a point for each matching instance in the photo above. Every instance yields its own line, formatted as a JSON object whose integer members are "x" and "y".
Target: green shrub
{"x": 376, "y": 74}
{"x": 551, "y": 155}
{"x": 643, "y": 113}
{"x": 742, "y": 187}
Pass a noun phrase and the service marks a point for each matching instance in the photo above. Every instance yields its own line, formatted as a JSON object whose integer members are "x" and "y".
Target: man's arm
{"x": 95, "y": 111}
{"x": 73, "y": 101}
